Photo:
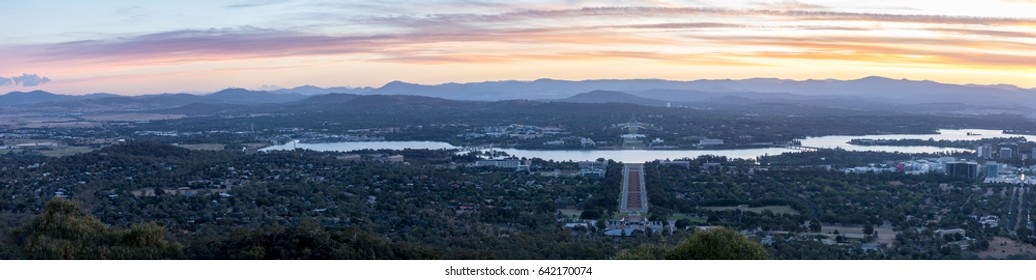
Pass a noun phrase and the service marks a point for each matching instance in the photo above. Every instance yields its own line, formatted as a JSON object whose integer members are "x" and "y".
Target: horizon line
{"x": 272, "y": 88}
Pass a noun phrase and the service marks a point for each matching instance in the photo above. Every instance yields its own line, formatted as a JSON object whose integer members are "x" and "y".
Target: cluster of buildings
{"x": 633, "y": 222}
{"x": 710, "y": 142}
{"x": 593, "y": 169}
{"x": 633, "y": 139}
{"x": 518, "y": 131}
{"x": 380, "y": 130}
{"x": 1003, "y": 151}
{"x": 315, "y": 137}
{"x": 383, "y": 158}
{"x": 994, "y": 172}
{"x": 1003, "y": 173}
{"x": 510, "y": 163}
{"x": 678, "y": 163}
{"x": 945, "y": 165}
{"x": 988, "y": 221}
{"x": 922, "y": 166}
{"x": 583, "y": 142}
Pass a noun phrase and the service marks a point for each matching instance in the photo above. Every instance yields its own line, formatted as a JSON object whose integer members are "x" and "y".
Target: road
{"x": 634, "y": 193}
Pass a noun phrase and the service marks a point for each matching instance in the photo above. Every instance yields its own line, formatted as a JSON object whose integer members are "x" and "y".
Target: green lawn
{"x": 783, "y": 209}
{"x": 694, "y": 219}
{"x": 66, "y": 151}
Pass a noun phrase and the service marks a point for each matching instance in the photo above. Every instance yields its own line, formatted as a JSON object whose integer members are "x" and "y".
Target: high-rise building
{"x": 1006, "y": 153}
{"x": 961, "y": 168}
{"x": 992, "y": 170}
{"x": 984, "y": 151}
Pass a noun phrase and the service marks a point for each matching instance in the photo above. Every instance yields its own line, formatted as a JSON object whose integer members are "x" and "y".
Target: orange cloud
{"x": 644, "y": 37}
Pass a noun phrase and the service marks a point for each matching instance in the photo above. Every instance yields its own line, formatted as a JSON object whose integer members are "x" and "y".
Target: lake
{"x": 842, "y": 141}
{"x": 831, "y": 141}
{"x": 556, "y": 155}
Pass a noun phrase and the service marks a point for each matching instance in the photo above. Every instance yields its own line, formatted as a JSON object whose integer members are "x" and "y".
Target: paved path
{"x": 634, "y": 193}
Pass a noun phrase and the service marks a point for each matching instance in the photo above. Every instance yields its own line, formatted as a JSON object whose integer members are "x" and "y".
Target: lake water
{"x": 842, "y": 141}
{"x": 640, "y": 155}
{"x": 832, "y": 141}
{"x": 556, "y": 155}
{"x": 355, "y": 146}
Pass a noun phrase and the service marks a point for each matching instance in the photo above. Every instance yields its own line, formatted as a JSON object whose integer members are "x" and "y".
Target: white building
{"x": 587, "y": 142}
{"x": 710, "y": 141}
{"x": 394, "y": 159}
{"x": 630, "y": 223}
{"x": 680, "y": 163}
{"x": 984, "y": 151}
{"x": 632, "y": 136}
{"x": 517, "y": 164}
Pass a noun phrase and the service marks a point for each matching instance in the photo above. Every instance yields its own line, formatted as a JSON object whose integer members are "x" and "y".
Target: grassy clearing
{"x": 783, "y": 209}
{"x": 693, "y": 219}
{"x": 1002, "y": 247}
{"x": 65, "y": 151}
{"x": 203, "y": 147}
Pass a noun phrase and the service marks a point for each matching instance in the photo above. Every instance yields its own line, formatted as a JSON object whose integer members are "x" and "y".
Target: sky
{"x": 144, "y": 47}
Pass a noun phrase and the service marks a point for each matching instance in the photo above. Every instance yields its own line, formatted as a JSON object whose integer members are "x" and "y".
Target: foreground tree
{"x": 308, "y": 241}
{"x": 717, "y": 244}
{"x": 643, "y": 252}
{"x": 62, "y": 231}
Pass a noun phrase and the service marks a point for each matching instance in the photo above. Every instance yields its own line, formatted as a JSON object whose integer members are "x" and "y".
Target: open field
{"x": 1001, "y": 247}
{"x": 134, "y": 117}
{"x": 784, "y": 209}
{"x": 693, "y": 219}
{"x": 41, "y": 120}
{"x": 256, "y": 145}
{"x": 203, "y": 147}
{"x": 66, "y": 151}
{"x": 885, "y": 233}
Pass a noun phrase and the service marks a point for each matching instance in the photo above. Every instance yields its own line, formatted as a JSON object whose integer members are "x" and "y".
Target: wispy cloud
{"x": 790, "y": 5}
{"x": 683, "y": 25}
{"x": 198, "y": 45}
{"x": 484, "y": 33}
{"x": 631, "y": 56}
{"x": 25, "y": 80}
{"x": 673, "y": 12}
{"x": 987, "y": 32}
{"x": 255, "y": 3}
{"x": 497, "y": 32}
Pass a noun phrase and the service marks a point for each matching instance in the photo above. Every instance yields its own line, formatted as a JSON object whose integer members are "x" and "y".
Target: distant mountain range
{"x": 605, "y": 96}
{"x": 870, "y": 89}
{"x": 227, "y": 96}
{"x": 315, "y": 90}
{"x": 865, "y": 93}
{"x": 39, "y": 96}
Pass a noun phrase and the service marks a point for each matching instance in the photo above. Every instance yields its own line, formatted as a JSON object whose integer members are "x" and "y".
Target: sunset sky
{"x": 140, "y": 47}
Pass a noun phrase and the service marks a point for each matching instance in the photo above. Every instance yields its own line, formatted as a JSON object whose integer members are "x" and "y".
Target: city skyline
{"x": 200, "y": 46}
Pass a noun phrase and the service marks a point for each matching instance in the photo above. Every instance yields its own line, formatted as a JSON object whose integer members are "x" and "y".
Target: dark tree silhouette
{"x": 62, "y": 231}
{"x": 717, "y": 244}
